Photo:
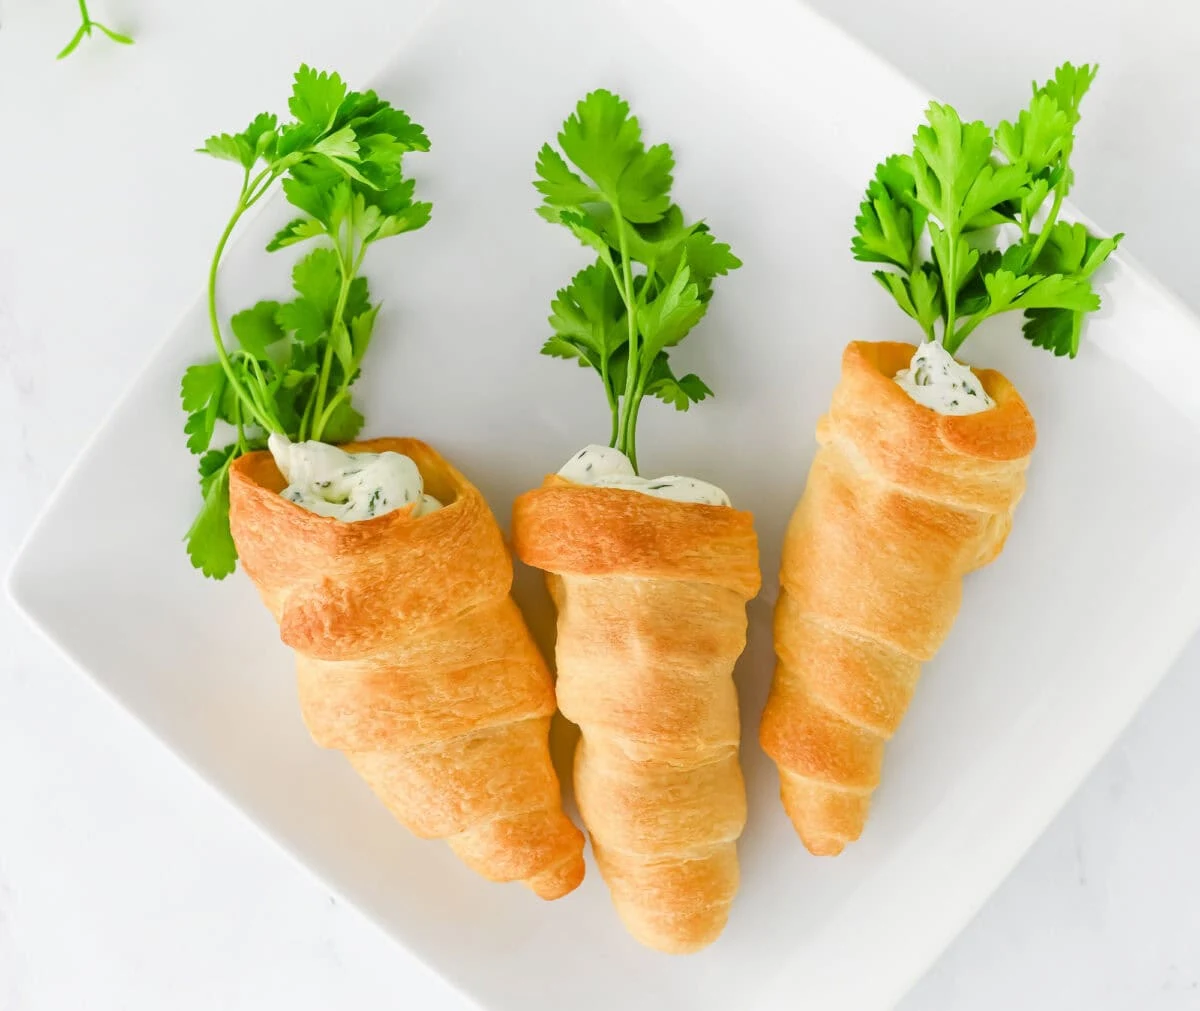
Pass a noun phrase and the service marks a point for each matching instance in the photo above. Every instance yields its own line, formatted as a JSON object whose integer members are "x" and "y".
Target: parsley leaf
{"x": 209, "y": 542}
{"x": 889, "y": 220}
{"x": 362, "y": 327}
{"x": 318, "y": 279}
{"x": 344, "y": 423}
{"x": 231, "y": 147}
{"x": 200, "y": 392}
{"x": 304, "y": 320}
{"x": 1056, "y": 330}
{"x": 557, "y": 347}
{"x": 601, "y": 139}
{"x": 296, "y": 230}
{"x": 1039, "y": 136}
{"x": 316, "y": 97}
{"x": 679, "y": 393}
{"x": 1071, "y": 249}
{"x": 558, "y": 185}
{"x": 653, "y": 275}
{"x": 256, "y": 328}
{"x": 339, "y": 164}
{"x": 962, "y": 177}
{"x": 666, "y": 319}
{"x": 589, "y": 314}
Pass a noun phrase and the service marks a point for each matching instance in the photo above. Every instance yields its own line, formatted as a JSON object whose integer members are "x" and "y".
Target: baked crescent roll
{"x": 413, "y": 660}
{"x": 651, "y": 597}
{"x": 901, "y": 503}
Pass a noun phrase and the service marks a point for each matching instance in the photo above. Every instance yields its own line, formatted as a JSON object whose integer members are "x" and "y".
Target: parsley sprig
{"x": 85, "y": 30}
{"x": 961, "y": 182}
{"x": 293, "y": 363}
{"x": 653, "y": 276}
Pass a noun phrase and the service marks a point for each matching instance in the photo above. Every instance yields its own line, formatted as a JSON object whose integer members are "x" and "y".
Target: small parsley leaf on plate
{"x": 85, "y": 30}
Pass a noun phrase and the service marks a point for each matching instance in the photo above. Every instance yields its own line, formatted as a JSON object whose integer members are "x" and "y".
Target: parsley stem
{"x": 222, "y": 355}
{"x": 953, "y": 341}
{"x": 237, "y": 420}
{"x": 613, "y": 403}
{"x": 323, "y": 420}
{"x": 257, "y": 194}
{"x": 626, "y": 441}
{"x": 327, "y": 362}
{"x": 85, "y": 31}
{"x": 322, "y": 411}
{"x": 950, "y": 284}
{"x": 306, "y": 420}
{"x": 262, "y": 392}
{"x": 319, "y": 395}
{"x": 257, "y": 181}
{"x": 259, "y": 393}
{"x": 1048, "y": 226}
{"x": 632, "y": 407}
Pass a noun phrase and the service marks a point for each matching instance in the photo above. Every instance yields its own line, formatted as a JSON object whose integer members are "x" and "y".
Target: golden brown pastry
{"x": 901, "y": 503}
{"x": 413, "y": 659}
{"x": 651, "y": 597}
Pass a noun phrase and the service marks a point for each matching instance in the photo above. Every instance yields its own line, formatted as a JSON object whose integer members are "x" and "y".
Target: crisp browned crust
{"x": 651, "y": 599}
{"x": 591, "y": 531}
{"x": 413, "y": 660}
{"x": 901, "y": 503}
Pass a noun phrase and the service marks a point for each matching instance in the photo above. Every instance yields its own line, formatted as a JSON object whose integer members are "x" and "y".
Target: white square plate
{"x": 777, "y": 121}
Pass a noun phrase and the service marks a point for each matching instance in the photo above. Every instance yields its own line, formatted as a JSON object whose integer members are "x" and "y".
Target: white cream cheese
{"x": 348, "y": 486}
{"x": 937, "y": 381}
{"x": 606, "y": 467}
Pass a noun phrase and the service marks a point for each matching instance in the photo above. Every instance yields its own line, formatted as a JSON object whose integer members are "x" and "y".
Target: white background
{"x": 123, "y": 882}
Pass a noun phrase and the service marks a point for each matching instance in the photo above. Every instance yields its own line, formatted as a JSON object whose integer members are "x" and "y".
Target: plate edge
{"x": 770, "y": 11}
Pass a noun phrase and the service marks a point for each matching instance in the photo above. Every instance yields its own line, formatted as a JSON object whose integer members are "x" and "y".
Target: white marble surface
{"x": 126, "y": 884}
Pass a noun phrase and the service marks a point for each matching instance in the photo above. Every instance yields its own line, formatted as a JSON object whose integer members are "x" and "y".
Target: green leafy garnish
{"x": 653, "y": 275}
{"x": 962, "y": 180}
{"x": 85, "y": 30}
{"x": 293, "y": 362}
